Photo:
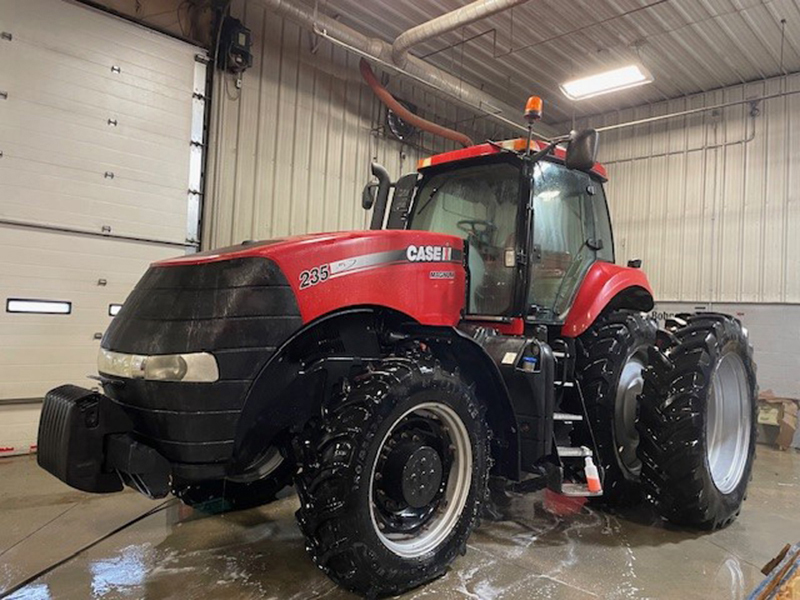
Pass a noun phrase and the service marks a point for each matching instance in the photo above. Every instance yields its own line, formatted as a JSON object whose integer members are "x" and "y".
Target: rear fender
{"x": 607, "y": 286}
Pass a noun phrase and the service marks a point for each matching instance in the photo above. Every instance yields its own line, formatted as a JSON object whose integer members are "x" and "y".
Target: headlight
{"x": 195, "y": 367}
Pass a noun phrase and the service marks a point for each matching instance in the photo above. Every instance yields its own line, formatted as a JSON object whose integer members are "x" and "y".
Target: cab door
{"x": 564, "y": 240}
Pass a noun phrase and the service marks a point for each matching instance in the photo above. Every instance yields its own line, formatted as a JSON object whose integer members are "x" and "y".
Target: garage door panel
{"x": 81, "y": 32}
{"x": 61, "y": 147}
{"x": 28, "y": 170}
{"x": 123, "y": 219}
{"x": 29, "y": 355}
{"x": 98, "y": 109}
{"x": 18, "y": 434}
{"x": 92, "y": 129}
{"x": 21, "y": 390}
{"x": 70, "y": 80}
{"x": 129, "y": 173}
{"x": 22, "y": 175}
{"x": 23, "y": 377}
{"x": 89, "y": 306}
{"x": 102, "y": 73}
{"x": 43, "y": 158}
{"x": 63, "y": 256}
{"x": 66, "y": 268}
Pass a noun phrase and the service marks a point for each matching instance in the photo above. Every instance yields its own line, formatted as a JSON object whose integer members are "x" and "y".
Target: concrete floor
{"x": 171, "y": 551}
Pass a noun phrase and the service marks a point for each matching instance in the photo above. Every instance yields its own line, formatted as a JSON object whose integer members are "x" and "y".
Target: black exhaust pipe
{"x": 380, "y": 198}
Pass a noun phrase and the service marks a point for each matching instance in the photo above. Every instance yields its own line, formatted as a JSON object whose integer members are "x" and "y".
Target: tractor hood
{"x": 418, "y": 273}
{"x": 239, "y": 305}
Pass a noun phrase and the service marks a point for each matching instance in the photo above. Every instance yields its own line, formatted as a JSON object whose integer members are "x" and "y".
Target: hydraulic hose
{"x": 401, "y": 111}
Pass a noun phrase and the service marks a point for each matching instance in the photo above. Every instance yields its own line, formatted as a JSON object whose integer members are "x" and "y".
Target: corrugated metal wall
{"x": 290, "y": 150}
{"x": 711, "y": 202}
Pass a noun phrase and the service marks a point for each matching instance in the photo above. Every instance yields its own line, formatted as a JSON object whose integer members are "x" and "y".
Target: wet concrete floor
{"x": 171, "y": 551}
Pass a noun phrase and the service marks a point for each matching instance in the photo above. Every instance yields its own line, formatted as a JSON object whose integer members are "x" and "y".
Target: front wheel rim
{"x": 445, "y": 510}
{"x": 728, "y": 423}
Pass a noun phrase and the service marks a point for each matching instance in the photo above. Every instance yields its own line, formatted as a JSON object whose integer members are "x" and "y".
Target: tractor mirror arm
{"x": 539, "y": 155}
{"x": 536, "y": 157}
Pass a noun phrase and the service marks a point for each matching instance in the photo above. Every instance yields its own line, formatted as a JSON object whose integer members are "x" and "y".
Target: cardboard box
{"x": 781, "y": 413}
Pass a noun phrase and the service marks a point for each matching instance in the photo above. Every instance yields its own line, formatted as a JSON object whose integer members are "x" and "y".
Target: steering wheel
{"x": 477, "y": 228}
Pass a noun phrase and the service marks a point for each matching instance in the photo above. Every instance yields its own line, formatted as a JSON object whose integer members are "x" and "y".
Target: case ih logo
{"x": 429, "y": 253}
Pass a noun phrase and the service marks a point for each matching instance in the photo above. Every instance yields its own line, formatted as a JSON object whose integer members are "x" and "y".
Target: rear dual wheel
{"x": 697, "y": 420}
{"x": 672, "y": 412}
{"x": 393, "y": 479}
{"x": 611, "y": 357}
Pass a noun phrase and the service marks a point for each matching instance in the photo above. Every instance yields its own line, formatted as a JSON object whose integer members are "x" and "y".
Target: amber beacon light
{"x": 533, "y": 109}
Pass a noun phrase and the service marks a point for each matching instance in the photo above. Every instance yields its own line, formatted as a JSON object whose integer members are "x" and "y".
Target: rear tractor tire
{"x": 697, "y": 420}
{"x": 611, "y": 356}
{"x": 228, "y": 495}
{"x": 394, "y": 477}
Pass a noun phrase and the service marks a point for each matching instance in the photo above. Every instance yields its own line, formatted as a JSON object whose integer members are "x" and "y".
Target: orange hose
{"x": 401, "y": 111}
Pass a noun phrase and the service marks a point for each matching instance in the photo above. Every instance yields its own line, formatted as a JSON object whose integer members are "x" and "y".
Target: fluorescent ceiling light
{"x": 43, "y": 307}
{"x": 113, "y": 309}
{"x": 609, "y": 81}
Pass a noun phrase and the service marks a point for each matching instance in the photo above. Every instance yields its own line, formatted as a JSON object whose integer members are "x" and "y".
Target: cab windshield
{"x": 478, "y": 204}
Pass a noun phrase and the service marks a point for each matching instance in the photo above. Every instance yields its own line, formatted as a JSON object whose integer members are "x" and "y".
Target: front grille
{"x": 239, "y": 310}
{"x": 231, "y": 304}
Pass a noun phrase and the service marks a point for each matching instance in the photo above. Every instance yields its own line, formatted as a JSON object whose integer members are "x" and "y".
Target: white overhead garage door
{"x": 101, "y": 125}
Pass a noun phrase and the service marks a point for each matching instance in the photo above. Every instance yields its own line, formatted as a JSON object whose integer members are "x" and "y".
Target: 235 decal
{"x": 314, "y": 276}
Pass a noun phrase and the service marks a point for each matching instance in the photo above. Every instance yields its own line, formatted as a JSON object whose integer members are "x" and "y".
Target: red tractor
{"x": 479, "y": 332}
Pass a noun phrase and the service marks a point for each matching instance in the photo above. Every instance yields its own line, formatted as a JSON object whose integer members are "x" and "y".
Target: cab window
{"x": 602, "y": 224}
{"x": 478, "y": 204}
{"x": 563, "y": 232}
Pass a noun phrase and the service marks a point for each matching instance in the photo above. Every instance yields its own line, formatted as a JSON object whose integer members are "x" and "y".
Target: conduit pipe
{"x": 475, "y": 11}
{"x": 401, "y": 111}
{"x": 693, "y": 111}
{"x": 381, "y": 52}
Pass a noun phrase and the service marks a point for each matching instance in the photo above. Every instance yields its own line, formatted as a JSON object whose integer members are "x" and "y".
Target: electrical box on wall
{"x": 235, "y": 43}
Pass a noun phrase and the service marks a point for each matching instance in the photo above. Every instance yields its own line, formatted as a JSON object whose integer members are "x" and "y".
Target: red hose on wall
{"x": 401, "y": 111}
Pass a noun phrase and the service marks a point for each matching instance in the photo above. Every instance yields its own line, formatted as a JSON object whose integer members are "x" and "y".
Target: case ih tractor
{"x": 479, "y": 332}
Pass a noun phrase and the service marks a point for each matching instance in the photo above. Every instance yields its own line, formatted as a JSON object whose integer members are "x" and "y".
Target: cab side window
{"x": 478, "y": 204}
{"x": 602, "y": 224}
{"x": 562, "y": 223}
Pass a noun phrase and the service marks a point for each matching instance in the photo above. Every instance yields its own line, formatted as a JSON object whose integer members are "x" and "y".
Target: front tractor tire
{"x": 393, "y": 479}
{"x": 611, "y": 356}
{"x": 697, "y": 420}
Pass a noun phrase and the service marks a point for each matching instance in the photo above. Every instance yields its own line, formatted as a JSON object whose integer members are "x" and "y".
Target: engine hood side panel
{"x": 418, "y": 273}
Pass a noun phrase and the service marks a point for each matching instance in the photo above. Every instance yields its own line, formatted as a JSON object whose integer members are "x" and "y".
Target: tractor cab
{"x": 533, "y": 227}
{"x": 533, "y": 216}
